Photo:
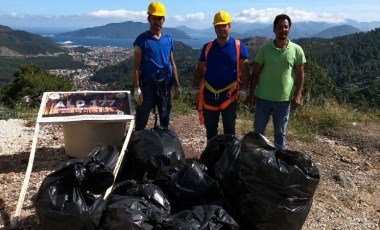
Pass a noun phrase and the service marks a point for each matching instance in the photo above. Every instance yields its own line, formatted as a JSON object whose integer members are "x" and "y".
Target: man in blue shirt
{"x": 154, "y": 70}
{"x": 221, "y": 79}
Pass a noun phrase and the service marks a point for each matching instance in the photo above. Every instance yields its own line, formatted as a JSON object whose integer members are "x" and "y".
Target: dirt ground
{"x": 348, "y": 193}
{"x": 347, "y": 196}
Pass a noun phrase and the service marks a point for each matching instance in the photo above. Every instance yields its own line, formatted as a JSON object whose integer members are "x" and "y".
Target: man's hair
{"x": 281, "y": 17}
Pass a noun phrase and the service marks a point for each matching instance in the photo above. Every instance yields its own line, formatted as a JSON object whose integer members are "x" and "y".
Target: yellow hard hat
{"x": 157, "y": 9}
{"x": 222, "y": 17}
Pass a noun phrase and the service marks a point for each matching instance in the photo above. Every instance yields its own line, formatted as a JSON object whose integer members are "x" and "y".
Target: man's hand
{"x": 242, "y": 96}
{"x": 177, "y": 92}
{"x": 296, "y": 102}
{"x": 138, "y": 95}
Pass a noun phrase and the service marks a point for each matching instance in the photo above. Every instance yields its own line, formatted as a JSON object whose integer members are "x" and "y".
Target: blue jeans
{"x": 211, "y": 118}
{"x": 280, "y": 115}
{"x": 154, "y": 94}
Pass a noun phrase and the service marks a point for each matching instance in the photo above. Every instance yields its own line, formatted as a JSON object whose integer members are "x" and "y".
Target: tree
{"x": 318, "y": 85}
{"x": 31, "y": 81}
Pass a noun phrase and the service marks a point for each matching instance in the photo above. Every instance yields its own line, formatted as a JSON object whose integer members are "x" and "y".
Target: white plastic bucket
{"x": 80, "y": 138}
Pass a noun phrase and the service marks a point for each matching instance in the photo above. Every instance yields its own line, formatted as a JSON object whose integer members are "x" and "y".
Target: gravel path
{"x": 15, "y": 145}
{"x": 347, "y": 197}
{"x": 15, "y": 136}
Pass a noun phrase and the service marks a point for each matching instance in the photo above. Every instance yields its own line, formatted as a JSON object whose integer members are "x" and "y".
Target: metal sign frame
{"x": 77, "y": 106}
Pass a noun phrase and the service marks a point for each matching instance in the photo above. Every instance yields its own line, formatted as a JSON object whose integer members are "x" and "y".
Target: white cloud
{"x": 189, "y": 17}
{"x": 119, "y": 14}
{"x": 15, "y": 15}
{"x": 267, "y": 15}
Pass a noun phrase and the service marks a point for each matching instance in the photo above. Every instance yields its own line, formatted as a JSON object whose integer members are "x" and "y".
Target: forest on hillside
{"x": 18, "y": 48}
{"x": 26, "y": 43}
{"x": 353, "y": 63}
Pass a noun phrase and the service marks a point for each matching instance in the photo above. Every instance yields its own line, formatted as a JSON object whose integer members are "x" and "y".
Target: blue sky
{"x": 197, "y": 14}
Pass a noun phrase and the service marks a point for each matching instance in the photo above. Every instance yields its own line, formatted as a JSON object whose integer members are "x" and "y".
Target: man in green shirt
{"x": 277, "y": 81}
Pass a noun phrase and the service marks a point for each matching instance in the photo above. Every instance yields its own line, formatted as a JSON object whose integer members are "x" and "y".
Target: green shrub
{"x": 7, "y": 113}
{"x": 312, "y": 120}
{"x": 185, "y": 104}
{"x": 31, "y": 81}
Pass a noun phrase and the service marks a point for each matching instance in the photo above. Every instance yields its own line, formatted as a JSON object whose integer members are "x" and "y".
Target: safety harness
{"x": 233, "y": 87}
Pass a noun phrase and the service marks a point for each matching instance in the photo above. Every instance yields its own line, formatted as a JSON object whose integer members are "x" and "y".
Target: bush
{"x": 30, "y": 82}
{"x": 7, "y": 113}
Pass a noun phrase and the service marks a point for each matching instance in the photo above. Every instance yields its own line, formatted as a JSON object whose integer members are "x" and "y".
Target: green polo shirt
{"x": 278, "y": 76}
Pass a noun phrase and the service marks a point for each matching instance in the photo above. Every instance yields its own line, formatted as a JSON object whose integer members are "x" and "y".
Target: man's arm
{"x": 244, "y": 80}
{"x": 198, "y": 77}
{"x": 300, "y": 81}
{"x": 254, "y": 81}
{"x": 175, "y": 76}
{"x": 137, "y": 57}
{"x": 244, "y": 77}
{"x": 175, "y": 71}
{"x": 136, "y": 75}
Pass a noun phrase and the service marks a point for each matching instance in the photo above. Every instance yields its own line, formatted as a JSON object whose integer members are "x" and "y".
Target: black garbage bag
{"x": 97, "y": 174}
{"x": 128, "y": 212}
{"x": 221, "y": 156}
{"x": 134, "y": 205}
{"x": 94, "y": 177}
{"x": 100, "y": 165}
{"x": 204, "y": 217}
{"x": 148, "y": 151}
{"x": 189, "y": 186}
{"x": 215, "y": 148}
{"x": 148, "y": 191}
{"x": 276, "y": 188}
{"x": 61, "y": 202}
{"x": 107, "y": 154}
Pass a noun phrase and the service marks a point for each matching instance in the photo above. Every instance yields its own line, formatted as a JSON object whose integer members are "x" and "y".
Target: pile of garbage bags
{"x": 235, "y": 184}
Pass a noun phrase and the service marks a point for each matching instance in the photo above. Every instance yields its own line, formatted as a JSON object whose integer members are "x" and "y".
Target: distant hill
{"x": 306, "y": 30}
{"x": 127, "y": 29}
{"x": 17, "y": 42}
{"x": 188, "y": 30}
{"x": 364, "y": 26}
{"x": 336, "y": 31}
{"x": 19, "y": 47}
{"x": 253, "y": 45}
{"x": 132, "y": 29}
{"x": 353, "y": 62}
{"x": 298, "y": 30}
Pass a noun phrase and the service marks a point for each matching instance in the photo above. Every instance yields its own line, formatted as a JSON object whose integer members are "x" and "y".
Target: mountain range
{"x": 17, "y": 42}
{"x": 127, "y": 29}
{"x": 130, "y": 29}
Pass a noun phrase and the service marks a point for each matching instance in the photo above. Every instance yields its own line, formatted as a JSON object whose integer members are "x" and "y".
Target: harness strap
{"x": 208, "y": 47}
{"x": 221, "y": 106}
{"x": 200, "y": 104}
{"x": 234, "y": 86}
{"x": 218, "y": 91}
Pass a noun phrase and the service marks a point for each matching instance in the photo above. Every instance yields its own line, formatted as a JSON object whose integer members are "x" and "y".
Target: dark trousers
{"x": 279, "y": 110}
{"x": 155, "y": 94}
{"x": 211, "y": 118}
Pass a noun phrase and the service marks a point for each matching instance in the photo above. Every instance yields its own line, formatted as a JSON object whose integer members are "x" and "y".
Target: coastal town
{"x": 94, "y": 59}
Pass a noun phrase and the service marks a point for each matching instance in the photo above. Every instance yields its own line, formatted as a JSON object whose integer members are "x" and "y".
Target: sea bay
{"x": 196, "y": 42}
